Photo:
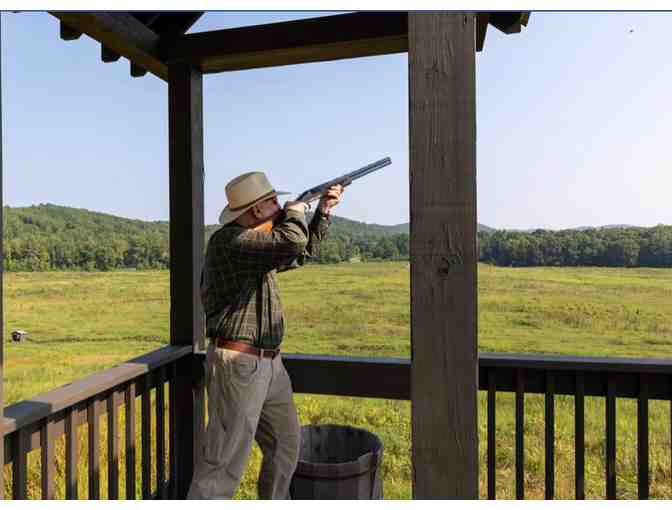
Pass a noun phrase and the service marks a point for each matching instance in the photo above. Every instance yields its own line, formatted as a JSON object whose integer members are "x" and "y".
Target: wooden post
{"x": 185, "y": 90}
{"x": 444, "y": 375}
{"x": 2, "y": 270}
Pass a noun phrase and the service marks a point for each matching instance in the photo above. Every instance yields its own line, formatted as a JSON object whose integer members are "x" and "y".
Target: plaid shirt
{"x": 239, "y": 288}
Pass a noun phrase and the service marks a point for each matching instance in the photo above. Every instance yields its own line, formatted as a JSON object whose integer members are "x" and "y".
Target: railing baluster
{"x": 643, "y": 438}
{"x": 492, "y": 388}
{"x": 20, "y": 465}
{"x": 160, "y": 435}
{"x": 146, "y": 439}
{"x": 112, "y": 448}
{"x": 550, "y": 435}
{"x": 611, "y": 438}
{"x": 199, "y": 416}
{"x": 71, "y": 448}
{"x": 520, "y": 446}
{"x": 93, "y": 415}
{"x": 579, "y": 437}
{"x": 172, "y": 421}
{"x": 130, "y": 440}
{"x": 47, "y": 458}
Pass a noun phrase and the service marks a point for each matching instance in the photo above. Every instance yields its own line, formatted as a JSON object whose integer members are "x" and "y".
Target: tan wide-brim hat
{"x": 244, "y": 192}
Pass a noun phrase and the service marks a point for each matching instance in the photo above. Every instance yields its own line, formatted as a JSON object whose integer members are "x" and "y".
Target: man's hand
{"x": 299, "y": 207}
{"x": 330, "y": 199}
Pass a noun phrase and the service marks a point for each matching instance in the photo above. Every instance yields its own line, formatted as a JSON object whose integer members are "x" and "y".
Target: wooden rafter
{"x": 482, "y": 19}
{"x": 172, "y": 24}
{"x": 509, "y": 22}
{"x": 292, "y": 42}
{"x": 121, "y": 33}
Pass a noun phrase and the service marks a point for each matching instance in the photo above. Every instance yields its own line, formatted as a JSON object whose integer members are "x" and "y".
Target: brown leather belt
{"x": 245, "y": 347}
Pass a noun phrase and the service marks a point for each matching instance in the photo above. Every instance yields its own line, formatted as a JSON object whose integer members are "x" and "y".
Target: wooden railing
{"x": 37, "y": 423}
{"x": 611, "y": 378}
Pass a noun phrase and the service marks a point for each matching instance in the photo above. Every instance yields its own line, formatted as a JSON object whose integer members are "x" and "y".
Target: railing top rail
{"x": 521, "y": 360}
{"x": 575, "y": 363}
{"x": 30, "y": 411}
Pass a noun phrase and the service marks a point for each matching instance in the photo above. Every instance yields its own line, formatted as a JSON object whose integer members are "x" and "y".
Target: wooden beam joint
{"x": 122, "y": 33}
{"x": 68, "y": 33}
{"x": 107, "y": 55}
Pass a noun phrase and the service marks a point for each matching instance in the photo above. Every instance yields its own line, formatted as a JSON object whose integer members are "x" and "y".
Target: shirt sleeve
{"x": 265, "y": 251}
{"x": 317, "y": 231}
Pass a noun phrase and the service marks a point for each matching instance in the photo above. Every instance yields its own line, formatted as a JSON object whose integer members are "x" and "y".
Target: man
{"x": 249, "y": 391}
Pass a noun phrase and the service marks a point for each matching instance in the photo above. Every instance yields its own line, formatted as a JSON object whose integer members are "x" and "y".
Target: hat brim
{"x": 227, "y": 215}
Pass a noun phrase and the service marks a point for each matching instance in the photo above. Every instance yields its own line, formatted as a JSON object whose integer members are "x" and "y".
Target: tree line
{"x": 606, "y": 247}
{"x": 49, "y": 237}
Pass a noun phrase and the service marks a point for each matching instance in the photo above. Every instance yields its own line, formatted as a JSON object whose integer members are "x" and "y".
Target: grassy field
{"x": 80, "y": 323}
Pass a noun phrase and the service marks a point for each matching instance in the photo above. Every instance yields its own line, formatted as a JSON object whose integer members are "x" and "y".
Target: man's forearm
{"x": 317, "y": 231}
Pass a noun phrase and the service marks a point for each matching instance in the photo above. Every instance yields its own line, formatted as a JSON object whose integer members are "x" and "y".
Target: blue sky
{"x": 572, "y": 124}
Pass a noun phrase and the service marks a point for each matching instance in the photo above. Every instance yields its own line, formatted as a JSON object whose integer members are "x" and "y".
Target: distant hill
{"x": 53, "y": 237}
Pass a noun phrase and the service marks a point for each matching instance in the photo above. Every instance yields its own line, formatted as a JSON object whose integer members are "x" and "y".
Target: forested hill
{"x": 48, "y": 236}
{"x": 52, "y": 237}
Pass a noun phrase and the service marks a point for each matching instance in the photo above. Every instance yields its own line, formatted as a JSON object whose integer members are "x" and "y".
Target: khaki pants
{"x": 248, "y": 398}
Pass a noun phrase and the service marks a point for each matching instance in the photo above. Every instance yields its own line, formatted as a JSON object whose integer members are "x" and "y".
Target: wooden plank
{"x": 122, "y": 33}
{"x": 20, "y": 466}
{"x": 160, "y": 434}
{"x": 520, "y": 436}
{"x": 47, "y": 459}
{"x": 185, "y": 92}
{"x": 107, "y": 55}
{"x": 93, "y": 416}
{"x": 444, "y": 374}
{"x": 146, "y": 425}
{"x": 610, "y": 418}
{"x": 68, "y": 33}
{"x": 508, "y": 22}
{"x": 30, "y": 412}
{"x": 130, "y": 440}
{"x": 172, "y": 433}
{"x": 387, "y": 378}
{"x": 549, "y": 418}
{"x": 2, "y": 272}
{"x": 172, "y": 24}
{"x": 482, "y": 19}
{"x": 643, "y": 439}
{"x": 293, "y": 42}
{"x": 71, "y": 455}
{"x": 199, "y": 410}
{"x": 112, "y": 448}
{"x": 137, "y": 71}
{"x": 186, "y": 204}
{"x": 579, "y": 438}
{"x": 492, "y": 424}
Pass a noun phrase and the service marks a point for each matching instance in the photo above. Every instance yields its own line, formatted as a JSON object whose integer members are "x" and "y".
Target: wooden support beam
{"x": 509, "y": 22}
{"x": 292, "y": 42}
{"x": 185, "y": 91}
{"x": 444, "y": 373}
{"x": 482, "y": 19}
{"x": 2, "y": 271}
{"x": 68, "y": 33}
{"x": 137, "y": 71}
{"x": 122, "y": 33}
{"x": 107, "y": 55}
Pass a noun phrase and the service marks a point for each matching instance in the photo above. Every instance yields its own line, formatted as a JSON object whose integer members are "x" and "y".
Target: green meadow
{"x": 80, "y": 323}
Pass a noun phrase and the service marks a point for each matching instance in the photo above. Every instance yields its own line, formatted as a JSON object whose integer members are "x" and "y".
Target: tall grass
{"x": 83, "y": 322}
